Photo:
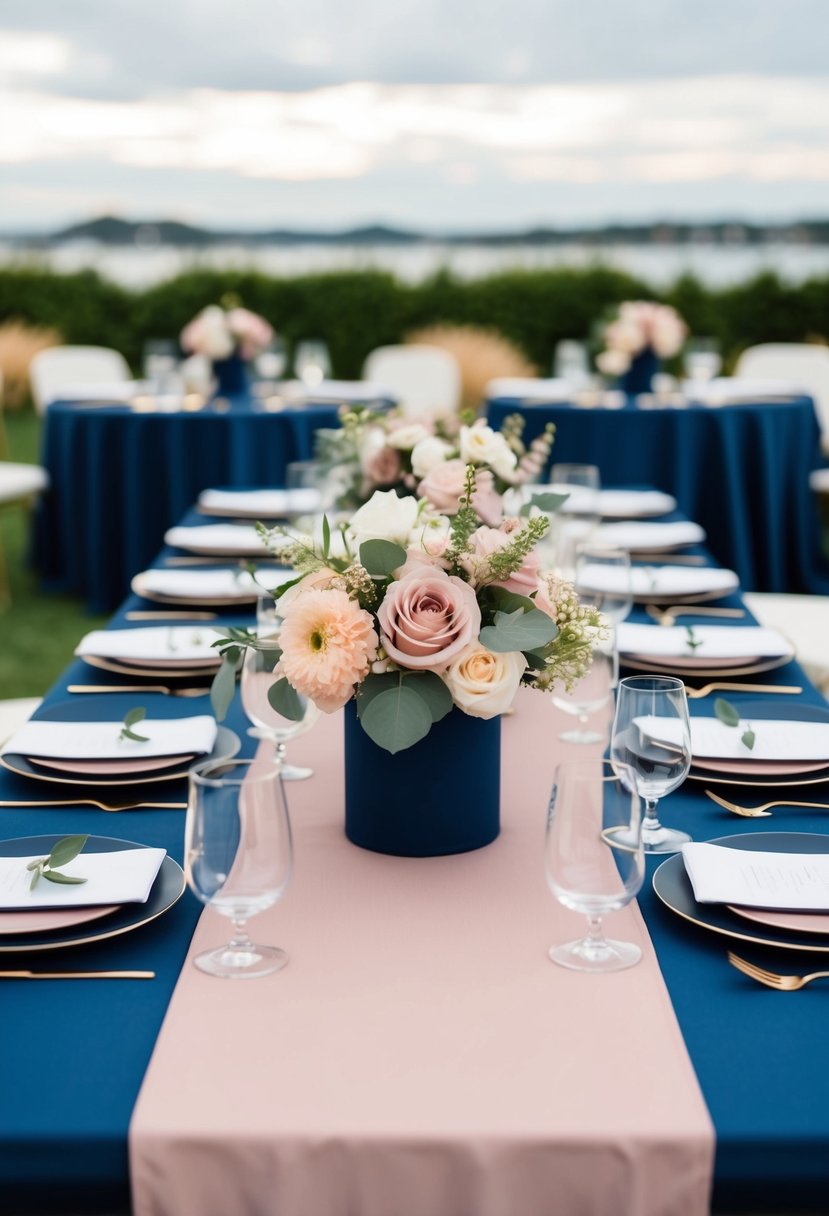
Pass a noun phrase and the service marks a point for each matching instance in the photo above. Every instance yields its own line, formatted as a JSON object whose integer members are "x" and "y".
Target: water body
{"x": 660, "y": 265}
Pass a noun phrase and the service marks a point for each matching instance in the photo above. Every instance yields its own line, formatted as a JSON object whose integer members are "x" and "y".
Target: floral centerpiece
{"x": 228, "y": 335}
{"x": 641, "y": 334}
{"x": 421, "y": 624}
{"x": 428, "y": 458}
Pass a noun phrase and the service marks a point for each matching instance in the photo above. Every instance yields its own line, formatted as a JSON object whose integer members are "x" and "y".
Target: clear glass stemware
{"x": 593, "y": 857}
{"x": 238, "y": 856}
{"x": 268, "y": 723}
{"x": 587, "y": 696}
{"x": 312, "y": 363}
{"x": 579, "y": 516}
{"x": 651, "y": 736}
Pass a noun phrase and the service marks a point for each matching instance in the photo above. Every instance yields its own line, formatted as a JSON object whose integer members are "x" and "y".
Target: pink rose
{"x": 383, "y": 467}
{"x": 444, "y": 484}
{"x": 487, "y": 541}
{"x": 427, "y": 618}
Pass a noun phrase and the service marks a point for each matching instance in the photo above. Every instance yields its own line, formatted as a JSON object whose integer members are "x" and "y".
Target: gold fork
{"x": 104, "y": 806}
{"x": 162, "y": 688}
{"x": 667, "y": 616}
{"x": 783, "y": 983}
{"x": 762, "y": 811}
{"x": 789, "y": 689}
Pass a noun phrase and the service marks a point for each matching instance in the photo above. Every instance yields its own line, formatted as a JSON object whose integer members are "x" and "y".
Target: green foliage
{"x": 132, "y": 718}
{"x": 730, "y": 716}
{"x": 519, "y": 630}
{"x": 381, "y": 557}
{"x": 284, "y": 698}
{"x": 64, "y": 851}
{"x": 356, "y": 311}
{"x": 397, "y": 718}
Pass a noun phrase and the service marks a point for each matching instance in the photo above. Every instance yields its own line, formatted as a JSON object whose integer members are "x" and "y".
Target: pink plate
{"x": 44, "y": 920}
{"x": 761, "y": 768}
{"x": 692, "y": 663}
{"x": 100, "y": 768}
{"x": 795, "y": 922}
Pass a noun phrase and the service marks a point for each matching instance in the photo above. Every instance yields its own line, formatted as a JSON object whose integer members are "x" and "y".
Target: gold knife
{"x": 77, "y": 975}
{"x": 148, "y": 615}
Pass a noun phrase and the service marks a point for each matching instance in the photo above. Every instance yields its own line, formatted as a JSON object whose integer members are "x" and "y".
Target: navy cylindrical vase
{"x": 440, "y": 796}
{"x": 232, "y": 376}
{"x": 639, "y": 376}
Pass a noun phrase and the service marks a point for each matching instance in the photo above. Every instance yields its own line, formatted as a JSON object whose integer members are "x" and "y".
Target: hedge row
{"x": 357, "y": 311}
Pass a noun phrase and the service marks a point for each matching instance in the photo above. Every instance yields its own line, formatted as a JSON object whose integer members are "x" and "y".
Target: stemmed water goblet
{"x": 312, "y": 363}
{"x": 603, "y": 581}
{"x": 651, "y": 736}
{"x": 593, "y": 857}
{"x": 588, "y": 695}
{"x": 269, "y": 722}
{"x": 580, "y": 513}
{"x": 238, "y": 856}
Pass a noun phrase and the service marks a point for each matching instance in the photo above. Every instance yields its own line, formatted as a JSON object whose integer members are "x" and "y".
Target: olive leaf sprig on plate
{"x": 692, "y": 641}
{"x": 730, "y": 716}
{"x": 131, "y": 719}
{"x": 66, "y": 850}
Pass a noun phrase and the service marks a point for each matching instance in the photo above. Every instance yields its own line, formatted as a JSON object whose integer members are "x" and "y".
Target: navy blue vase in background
{"x": 232, "y": 376}
{"x": 440, "y": 796}
{"x": 639, "y": 376}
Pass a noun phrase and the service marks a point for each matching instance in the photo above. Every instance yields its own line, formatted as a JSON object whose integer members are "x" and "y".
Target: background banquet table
{"x": 73, "y": 1055}
{"x": 120, "y": 477}
{"x": 742, "y": 471}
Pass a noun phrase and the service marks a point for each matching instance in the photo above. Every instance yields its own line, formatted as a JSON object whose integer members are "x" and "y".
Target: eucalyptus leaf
{"x": 54, "y": 876}
{"x": 397, "y": 719}
{"x": 506, "y": 601}
{"x": 726, "y": 712}
{"x": 269, "y": 657}
{"x": 431, "y": 688}
{"x": 66, "y": 850}
{"x": 223, "y": 688}
{"x": 545, "y": 502}
{"x": 372, "y": 686}
{"x": 518, "y": 631}
{"x": 284, "y": 698}
{"x": 381, "y": 557}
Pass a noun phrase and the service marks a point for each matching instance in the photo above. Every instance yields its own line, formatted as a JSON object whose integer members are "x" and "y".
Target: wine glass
{"x": 702, "y": 360}
{"x": 603, "y": 581}
{"x": 571, "y": 362}
{"x": 652, "y": 736}
{"x": 312, "y": 363}
{"x": 238, "y": 856}
{"x": 268, "y": 723}
{"x": 587, "y": 696}
{"x": 593, "y": 857}
{"x": 271, "y": 362}
{"x": 579, "y": 515}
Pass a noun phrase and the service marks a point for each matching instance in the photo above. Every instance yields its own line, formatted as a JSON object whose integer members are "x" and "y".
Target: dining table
{"x": 119, "y": 476}
{"x": 104, "y": 1104}
{"x": 740, "y": 470}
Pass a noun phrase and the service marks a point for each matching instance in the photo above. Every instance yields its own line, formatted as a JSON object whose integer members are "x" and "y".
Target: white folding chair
{"x": 425, "y": 379}
{"x": 797, "y": 362}
{"x": 57, "y": 369}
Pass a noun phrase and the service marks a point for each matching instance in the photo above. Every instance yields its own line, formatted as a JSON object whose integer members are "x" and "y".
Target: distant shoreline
{"x": 148, "y": 234}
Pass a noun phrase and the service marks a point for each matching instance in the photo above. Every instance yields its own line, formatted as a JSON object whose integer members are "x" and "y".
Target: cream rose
{"x": 404, "y": 438}
{"x": 481, "y": 445}
{"x": 428, "y": 453}
{"x": 427, "y": 618}
{"x": 484, "y": 684}
{"x": 385, "y": 516}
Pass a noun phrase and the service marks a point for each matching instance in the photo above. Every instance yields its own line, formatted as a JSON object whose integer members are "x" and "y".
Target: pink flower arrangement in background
{"x": 217, "y": 333}
{"x": 638, "y": 326}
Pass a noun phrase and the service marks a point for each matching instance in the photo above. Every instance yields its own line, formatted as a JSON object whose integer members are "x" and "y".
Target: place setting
{"x": 702, "y": 651}
{"x": 112, "y": 745}
{"x": 643, "y": 537}
{"x": 268, "y": 504}
{"x": 220, "y": 587}
{"x": 763, "y": 888}
{"x": 217, "y": 540}
{"x": 761, "y": 744}
{"x": 59, "y": 892}
{"x": 154, "y": 652}
{"x": 661, "y": 584}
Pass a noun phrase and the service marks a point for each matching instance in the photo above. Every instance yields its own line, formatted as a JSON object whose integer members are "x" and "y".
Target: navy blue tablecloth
{"x": 119, "y": 478}
{"x": 72, "y": 1056}
{"x": 742, "y": 471}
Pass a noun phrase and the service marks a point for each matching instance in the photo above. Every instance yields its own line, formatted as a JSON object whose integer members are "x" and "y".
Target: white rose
{"x": 484, "y": 684}
{"x": 216, "y": 339}
{"x": 481, "y": 445}
{"x": 613, "y": 362}
{"x": 385, "y": 516}
{"x": 667, "y": 332}
{"x": 428, "y": 453}
{"x": 404, "y": 438}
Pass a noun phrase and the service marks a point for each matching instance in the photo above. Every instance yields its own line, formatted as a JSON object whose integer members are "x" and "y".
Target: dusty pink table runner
{"x": 420, "y": 1055}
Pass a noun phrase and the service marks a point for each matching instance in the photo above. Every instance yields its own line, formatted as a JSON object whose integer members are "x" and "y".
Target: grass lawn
{"x": 39, "y": 631}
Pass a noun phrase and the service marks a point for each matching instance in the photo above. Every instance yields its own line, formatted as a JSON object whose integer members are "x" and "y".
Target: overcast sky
{"x": 441, "y": 115}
